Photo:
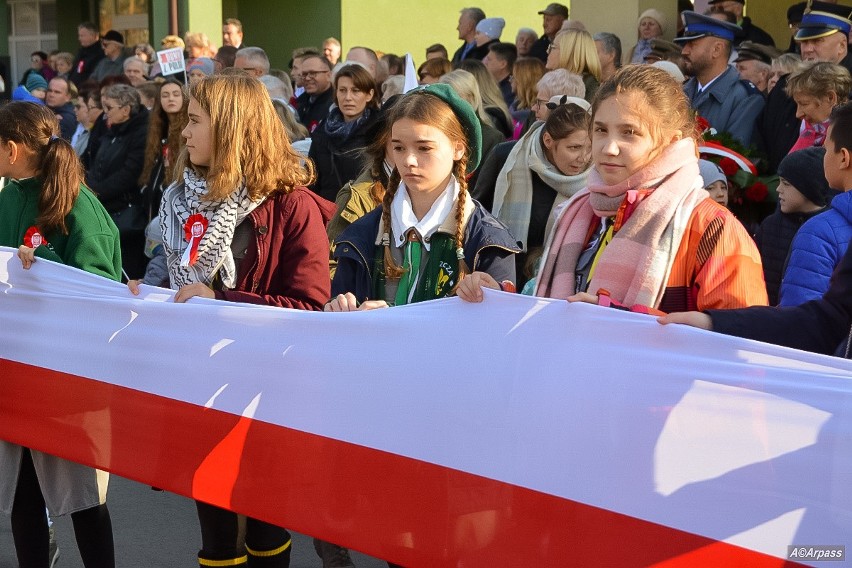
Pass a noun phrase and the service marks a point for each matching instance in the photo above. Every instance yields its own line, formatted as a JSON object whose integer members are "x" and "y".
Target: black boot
{"x": 275, "y": 558}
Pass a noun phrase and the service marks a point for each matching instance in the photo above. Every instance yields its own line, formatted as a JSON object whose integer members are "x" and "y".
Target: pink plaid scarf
{"x": 635, "y": 266}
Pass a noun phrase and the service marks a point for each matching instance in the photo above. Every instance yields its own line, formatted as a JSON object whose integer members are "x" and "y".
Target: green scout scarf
{"x": 437, "y": 280}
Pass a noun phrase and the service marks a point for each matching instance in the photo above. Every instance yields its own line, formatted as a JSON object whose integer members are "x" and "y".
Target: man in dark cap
{"x": 754, "y": 63}
{"x": 750, "y": 32}
{"x": 552, "y": 18}
{"x": 664, "y": 50}
{"x": 822, "y": 35}
{"x": 715, "y": 89}
{"x": 113, "y": 63}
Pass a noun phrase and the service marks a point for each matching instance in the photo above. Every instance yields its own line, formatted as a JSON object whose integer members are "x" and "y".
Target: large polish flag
{"x": 515, "y": 432}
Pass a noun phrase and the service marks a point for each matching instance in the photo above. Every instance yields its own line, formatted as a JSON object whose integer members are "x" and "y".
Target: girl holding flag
{"x": 428, "y": 233}
{"x": 47, "y": 212}
{"x": 240, "y": 225}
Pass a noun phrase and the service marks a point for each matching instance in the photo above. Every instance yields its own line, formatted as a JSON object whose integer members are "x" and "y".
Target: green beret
{"x": 466, "y": 115}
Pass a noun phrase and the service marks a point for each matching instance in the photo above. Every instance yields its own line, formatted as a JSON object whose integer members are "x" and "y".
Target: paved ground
{"x": 153, "y": 530}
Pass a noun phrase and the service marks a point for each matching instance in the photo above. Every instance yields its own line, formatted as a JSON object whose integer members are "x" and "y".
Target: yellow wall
{"x": 400, "y": 26}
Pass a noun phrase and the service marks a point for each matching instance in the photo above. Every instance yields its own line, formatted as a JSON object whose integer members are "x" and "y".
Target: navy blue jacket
{"x": 728, "y": 104}
{"x": 816, "y": 250}
{"x": 820, "y": 326}
{"x": 488, "y": 247}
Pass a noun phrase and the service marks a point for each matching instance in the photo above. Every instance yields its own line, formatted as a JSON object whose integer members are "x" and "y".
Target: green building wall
{"x": 5, "y": 28}
{"x": 280, "y": 26}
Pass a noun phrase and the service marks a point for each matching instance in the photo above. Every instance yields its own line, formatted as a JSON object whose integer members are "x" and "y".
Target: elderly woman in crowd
{"x": 115, "y": 171}
{"x": 651, "y": 25}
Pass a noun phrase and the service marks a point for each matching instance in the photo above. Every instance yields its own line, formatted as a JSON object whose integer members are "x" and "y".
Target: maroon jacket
{"x": 288, "y": 267}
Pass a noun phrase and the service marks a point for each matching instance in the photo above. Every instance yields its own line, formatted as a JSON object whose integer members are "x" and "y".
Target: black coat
{"x": 68, "y": 121}
{"x": 85, "y": 62}
{"x": 491, "y": 138}
{"x": 820, "y": 326}
{"x": 312, "y": 112}
{"x": 753, "y": 33}
{"x": 539, "y": 48}
{"x": 114, "y": 174}
{"x": 337, "y": 161}
{"x": 477, "y": 52}
{"x": 773, "y": 239}
{"x": 777, "y": 128}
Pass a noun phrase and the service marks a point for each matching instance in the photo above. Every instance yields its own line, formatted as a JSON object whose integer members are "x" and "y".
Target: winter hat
{"x": 804, "y": 170}
{"x": 711, "y": 173}
{"x": 655, "y": 15}
{"x": 464, "y": 112}
{"x": 670, "y": 68}
{"x": 36, "y": 81}
{"x": 204, "y": 64}
{"x": 492, "y": 27}
{"x": 115, "y": 36}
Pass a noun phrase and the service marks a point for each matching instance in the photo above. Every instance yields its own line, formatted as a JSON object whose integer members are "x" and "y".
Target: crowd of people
{"x": 559, "y": 165}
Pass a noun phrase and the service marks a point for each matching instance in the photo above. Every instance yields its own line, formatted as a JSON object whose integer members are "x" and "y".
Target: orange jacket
{"x": 717, "y": 265}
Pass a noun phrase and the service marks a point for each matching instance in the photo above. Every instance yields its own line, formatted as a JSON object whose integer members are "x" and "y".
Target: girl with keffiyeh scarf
{"x": 241, "y": 226}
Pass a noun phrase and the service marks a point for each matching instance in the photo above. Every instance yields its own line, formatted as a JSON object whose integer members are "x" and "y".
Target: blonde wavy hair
{"x": 249, "y": 142}
{"x": 577, "y": 53}
{"x": 464, "y": 83}
{"x": 527, "y": 72}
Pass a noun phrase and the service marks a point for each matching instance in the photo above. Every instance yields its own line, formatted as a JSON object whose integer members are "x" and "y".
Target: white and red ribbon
{"x": 194, "y": 229}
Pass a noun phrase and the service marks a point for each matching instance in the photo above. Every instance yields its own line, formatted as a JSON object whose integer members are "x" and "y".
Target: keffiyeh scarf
{"x": 213, "y": 256}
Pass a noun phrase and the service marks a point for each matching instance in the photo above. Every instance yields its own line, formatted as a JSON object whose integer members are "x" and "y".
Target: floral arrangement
{"x": 752, "y": 195}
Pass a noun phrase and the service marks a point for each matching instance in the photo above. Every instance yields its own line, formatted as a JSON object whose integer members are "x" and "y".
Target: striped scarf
{"x": 513, "y": 191}
{"x": 180, "y": 201}
{"x": 636, "y": 264}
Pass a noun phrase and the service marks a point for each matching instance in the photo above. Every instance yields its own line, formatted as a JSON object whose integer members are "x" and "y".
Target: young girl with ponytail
{"x": 428, "y": 233}
{"x": 47, "y": 212}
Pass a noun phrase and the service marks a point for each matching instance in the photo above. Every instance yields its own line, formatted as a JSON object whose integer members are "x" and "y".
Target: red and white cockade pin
{"x": 193, "y": 230}
{"x": 33, "y": 238}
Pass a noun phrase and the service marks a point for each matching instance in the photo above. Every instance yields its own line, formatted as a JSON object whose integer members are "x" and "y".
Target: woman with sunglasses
{"x": 114, "y": 173}
{"x": 522, "y": 182}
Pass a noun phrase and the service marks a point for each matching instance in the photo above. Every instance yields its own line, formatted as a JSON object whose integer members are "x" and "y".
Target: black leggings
{"x": 92, "y": 527}
{"x": 219, "y": 529}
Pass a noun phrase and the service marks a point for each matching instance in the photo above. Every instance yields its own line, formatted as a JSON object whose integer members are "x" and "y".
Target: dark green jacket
{"x": 92, "y": 240}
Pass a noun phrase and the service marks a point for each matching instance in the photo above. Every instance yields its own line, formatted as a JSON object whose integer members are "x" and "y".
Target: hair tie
{"x": 385, "y": 239}
{"x": 460, "y": 253}
{"x": 53, "y": 137}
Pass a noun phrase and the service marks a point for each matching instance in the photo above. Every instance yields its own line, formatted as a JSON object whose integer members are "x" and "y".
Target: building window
{"x": 130, "y": 17}
{"x": 33, "y": 28}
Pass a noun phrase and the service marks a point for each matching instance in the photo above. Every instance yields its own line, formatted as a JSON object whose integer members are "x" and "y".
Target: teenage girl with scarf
{"x": 428, "y": 233}
{"x": 47, "y": 212}
{"x": 645, "y": 234}
{"x": 241, "y": 226}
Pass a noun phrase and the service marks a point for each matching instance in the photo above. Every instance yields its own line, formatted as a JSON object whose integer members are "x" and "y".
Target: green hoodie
{"x": 91, "y": 243}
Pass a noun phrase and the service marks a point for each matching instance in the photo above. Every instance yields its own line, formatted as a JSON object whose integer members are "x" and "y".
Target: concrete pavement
{"x": 153, "y": 529}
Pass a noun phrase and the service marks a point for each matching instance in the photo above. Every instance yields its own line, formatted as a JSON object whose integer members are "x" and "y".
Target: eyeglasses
{"x": 312, "y": 74}
{"x": 551, "y": 47}
{"x": 108, "y": 108}
{"x": 79, "y": 106}
{"x": 540, "y": 102}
